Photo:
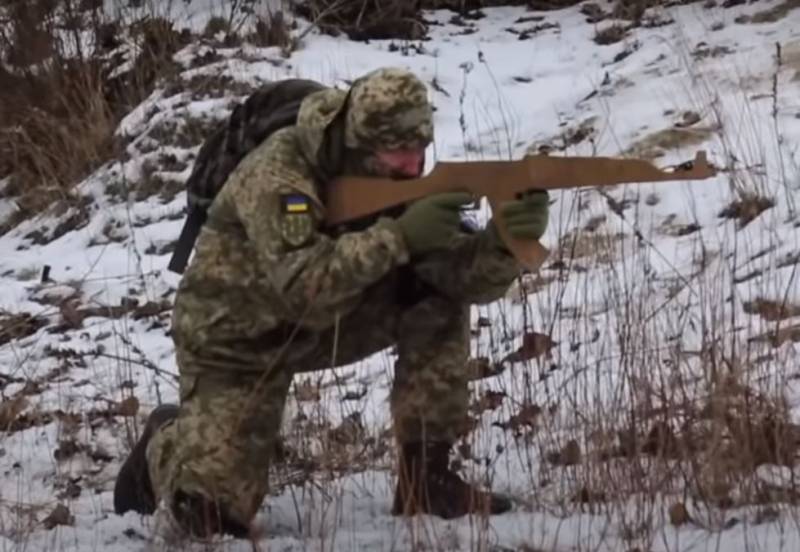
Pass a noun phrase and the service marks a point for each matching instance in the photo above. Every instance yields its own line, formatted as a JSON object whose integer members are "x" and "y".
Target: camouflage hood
{"x": 319, "y": 133}
{"x": 385, "y": 108}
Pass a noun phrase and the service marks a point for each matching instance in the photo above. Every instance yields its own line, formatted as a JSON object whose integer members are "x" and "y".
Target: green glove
{"x": 525, "y": 218}
{"x": 433, "y": 221}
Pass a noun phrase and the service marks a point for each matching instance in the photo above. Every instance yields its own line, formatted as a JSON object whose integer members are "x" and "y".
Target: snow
{"x": 624, "y": 330}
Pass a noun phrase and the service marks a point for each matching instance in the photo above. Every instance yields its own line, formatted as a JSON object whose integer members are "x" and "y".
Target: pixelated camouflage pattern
{"x": 222, "y": 440}
{"x": 253, "y": 308}
{"x": 388, "y": 108}
{"x": 270, "y": 107}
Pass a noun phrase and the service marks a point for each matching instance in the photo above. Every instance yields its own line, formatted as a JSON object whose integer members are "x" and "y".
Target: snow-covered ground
{"x": 651, "y": 297}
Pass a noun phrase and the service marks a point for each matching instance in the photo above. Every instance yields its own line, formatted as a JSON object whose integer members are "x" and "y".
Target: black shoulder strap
{"x": 236, "y": 138}
{"x": 183, "y": 248}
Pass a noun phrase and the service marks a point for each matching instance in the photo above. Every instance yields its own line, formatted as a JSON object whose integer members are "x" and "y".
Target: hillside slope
{"x": 638, "y": 393}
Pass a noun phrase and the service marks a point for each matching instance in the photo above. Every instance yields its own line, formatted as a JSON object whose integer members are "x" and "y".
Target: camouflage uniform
{"x": 270, "y": 287}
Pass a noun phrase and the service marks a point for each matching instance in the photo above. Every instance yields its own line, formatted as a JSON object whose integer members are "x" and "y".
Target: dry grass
{"x": 776, "y": 13}
{"x": 58, "y": 107}
{"x": 610, "y": 34}
{"x": 658, "y": 143}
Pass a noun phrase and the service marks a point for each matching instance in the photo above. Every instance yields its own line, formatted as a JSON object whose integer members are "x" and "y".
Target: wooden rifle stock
{"x": 350, "y": 197}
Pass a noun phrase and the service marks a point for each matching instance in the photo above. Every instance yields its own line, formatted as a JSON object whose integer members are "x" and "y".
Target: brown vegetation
{"x": 59, "y": 104}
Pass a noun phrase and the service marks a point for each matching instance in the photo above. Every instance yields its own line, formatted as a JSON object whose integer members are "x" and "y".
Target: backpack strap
{"x": 198, "y": 209}
{"x": 183, "y": 248}
{"x": 228, "y": 145}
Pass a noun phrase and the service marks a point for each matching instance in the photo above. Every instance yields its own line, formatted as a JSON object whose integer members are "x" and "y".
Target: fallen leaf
{"x": 527, "y": 415}
{"x": 771, "y": 310}
{"x": 59, "y": 516}
{"x": 128, "y": 407}
{"x": 482, "y": 367}
{"x": 18, "y": 326}
{"x": 587, "y": 496}
{"x": 355, "y": 395}
{"x": 533, "y": 345}
{"x": 73, "y": 318}
{"x": 67, "y": 448}
{"x": 661, "y": 441}
{"x": 569, "y": 455}
{"x": 678, "y": 514}
{"x": 11, "y": 409}
{"x": 306, "y": 391}
{"x": 490, "y": 400}
{"x": 350, "y": 431}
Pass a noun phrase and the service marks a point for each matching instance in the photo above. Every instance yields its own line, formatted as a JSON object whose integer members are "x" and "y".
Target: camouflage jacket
{"x": 264, "y": 260}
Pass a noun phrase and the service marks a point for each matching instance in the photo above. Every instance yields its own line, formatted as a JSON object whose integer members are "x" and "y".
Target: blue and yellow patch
{"x": 297, "y": 225}
{"x": 295, "y": 203}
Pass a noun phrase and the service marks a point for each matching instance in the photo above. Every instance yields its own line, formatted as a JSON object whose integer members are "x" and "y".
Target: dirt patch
{"x": 746, "y": 209}
{"x": 611, "y": 34}
{"x": 704, "y": 50}
{"x": 671, "y": 226}
{"x": 593, "y": 12}
{"x": 778, "y": 337}
{"x": 155, "y": 185}
{"x": 790, "y": 57}
{"x": 528, "y": 284}
{"x": 185, "y": 133}
{"x": 657, "y": 144}
{"x": 771, "y": 15}
{"x": 19, "y": 325}
{"x": 26, "y": 418}
{"x": 161, "y": 248}
{"x": 771, "y": 310}
{"x": 72, "y": 214}
{"x": 365, "y": 21}
{"x": 602, "y": 246}
{"x": 170, "y": 163}
{"x": 529, "y": 32}
{"x": 210, "y": 86}
{"x": 72, "y": 315}
{"x": 570, "y": 136}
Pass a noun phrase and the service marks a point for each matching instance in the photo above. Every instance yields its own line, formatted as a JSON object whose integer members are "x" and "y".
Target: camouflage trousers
{"x": 221, "y": 442}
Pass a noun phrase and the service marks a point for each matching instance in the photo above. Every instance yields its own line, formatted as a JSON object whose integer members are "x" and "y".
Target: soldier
{"x": 272, "y": 291}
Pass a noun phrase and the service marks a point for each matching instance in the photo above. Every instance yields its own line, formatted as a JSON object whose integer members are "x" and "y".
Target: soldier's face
{"x": 400, "y": 163}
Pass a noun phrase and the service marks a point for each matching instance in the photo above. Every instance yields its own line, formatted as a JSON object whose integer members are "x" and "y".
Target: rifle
{"x": 351, "y": 197}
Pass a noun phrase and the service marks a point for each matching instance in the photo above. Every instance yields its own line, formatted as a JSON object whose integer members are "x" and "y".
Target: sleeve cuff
{"x": 394, "y": 239}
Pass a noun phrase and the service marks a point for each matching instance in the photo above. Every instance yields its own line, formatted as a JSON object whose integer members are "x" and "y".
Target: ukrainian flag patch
{"x": 295, "y": 203}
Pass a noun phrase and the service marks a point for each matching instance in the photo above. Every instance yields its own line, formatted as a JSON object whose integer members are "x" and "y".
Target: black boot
{"x": 133, "y": 489}
{"x": 425, "y": 485}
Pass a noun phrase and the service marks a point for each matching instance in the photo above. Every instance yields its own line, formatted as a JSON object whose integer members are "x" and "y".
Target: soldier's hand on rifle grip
{"x": 432, "y": 222}
{"x": 525, "y": 218}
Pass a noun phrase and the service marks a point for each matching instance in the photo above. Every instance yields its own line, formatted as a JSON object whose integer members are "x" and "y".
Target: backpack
{"x": 272, "y": 107}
